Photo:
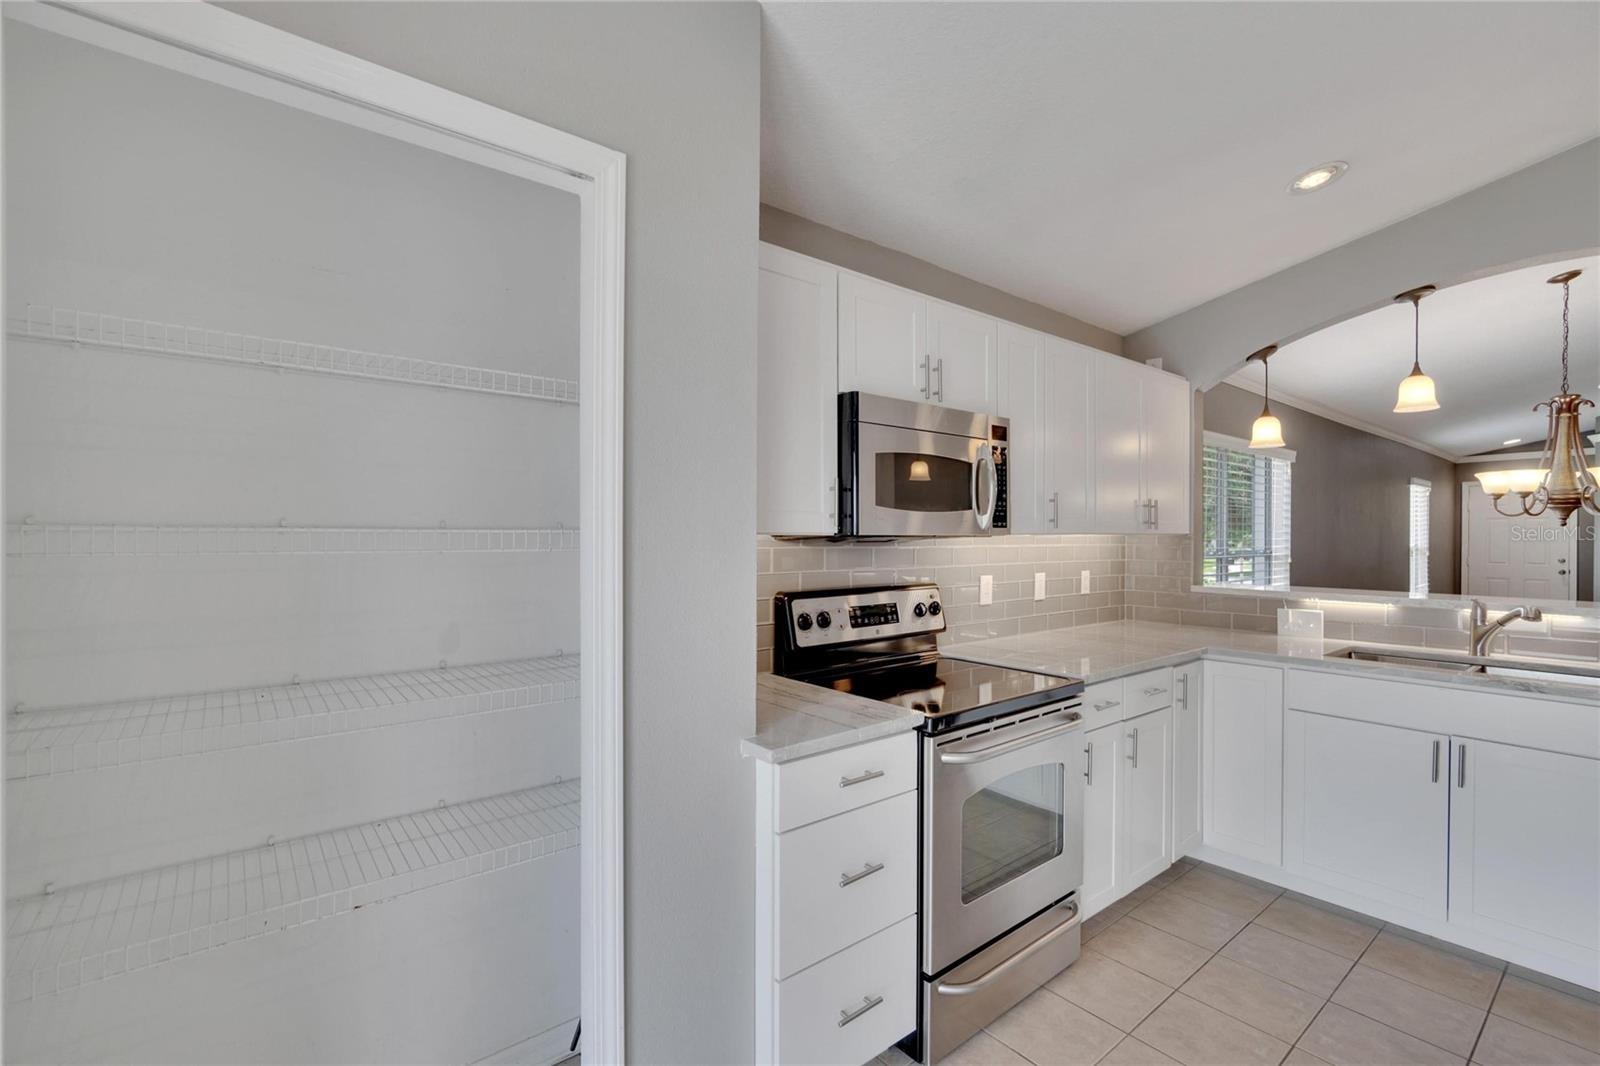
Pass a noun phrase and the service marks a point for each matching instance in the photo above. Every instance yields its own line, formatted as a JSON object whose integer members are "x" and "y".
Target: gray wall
{"x": 1351, "y": 512}
{"x": 875, "y": 260}
{"x": 676, "y": 87}
{"x": 1547, "y": 211}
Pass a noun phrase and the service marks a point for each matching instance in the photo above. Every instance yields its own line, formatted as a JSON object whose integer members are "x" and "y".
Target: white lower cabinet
{"x": 1102, "y": 776}
{"x": 1525, "y": 846}
{"x": 1186, "y": 751}
{"x": 852, "y": 1006}
{"x": 1367, "y": 809}
{"x": 1242, "y": 760}
{"x": 1146, "y": 809}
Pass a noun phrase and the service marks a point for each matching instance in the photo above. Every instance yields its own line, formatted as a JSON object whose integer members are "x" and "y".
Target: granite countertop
{"x": 794, "y": 720}
{"x": 1110, "y": 650}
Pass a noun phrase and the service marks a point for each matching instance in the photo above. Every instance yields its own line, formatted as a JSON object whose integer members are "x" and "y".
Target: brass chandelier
{"x": 1564, "y": 481}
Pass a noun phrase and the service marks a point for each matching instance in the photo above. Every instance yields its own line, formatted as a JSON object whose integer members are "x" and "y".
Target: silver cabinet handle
{"x": 1055, "y": 508}
{"x": 959, "y": 758}
{"x": 1155, "y": 514}
{"x": 846, "y": 880}
{"x": 1436, "y": 762}
{"x": 1183, "y": 679}
{"x": 1088, "y": 763}
{"x": 1154, "y": 691}
{"x": 1461, "y": 766}
{"x": 927, "y": 377}
{"x": 1016, "y": 960}
{"x": 938, "y": 368}
{"x": 867, "y": 1003}
{"x": 1133, "y": 753}
{"x": 1107, "y": 705}
{"x": 870, "y": 775}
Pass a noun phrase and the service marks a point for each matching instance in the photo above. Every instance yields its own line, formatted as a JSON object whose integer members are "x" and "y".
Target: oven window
{"x": 1010, "y": 827}
{"x": 914, "y": 481}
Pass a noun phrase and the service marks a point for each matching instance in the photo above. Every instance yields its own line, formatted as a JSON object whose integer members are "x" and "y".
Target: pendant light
{"x": 1267, "y": 432}
{"x": 1564, "y": 480}
{"x": 1416, "y": 391}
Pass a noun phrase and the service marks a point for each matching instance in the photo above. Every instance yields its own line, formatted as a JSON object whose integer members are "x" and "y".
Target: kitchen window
{"x": 1420, "y": 490}
{"x": 1247, "y": 500}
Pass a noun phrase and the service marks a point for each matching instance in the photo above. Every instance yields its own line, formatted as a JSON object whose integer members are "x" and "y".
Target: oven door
{"x": 915, "y": 482}
{"x": 1002, "y": 828}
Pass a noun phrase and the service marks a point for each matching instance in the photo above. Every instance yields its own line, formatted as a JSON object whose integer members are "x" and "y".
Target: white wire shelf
{"x": 46, "y": 742}
{"x": 94, "y": 329}
{"x": 37, "y": 539}
{"x": 97, "y": 931}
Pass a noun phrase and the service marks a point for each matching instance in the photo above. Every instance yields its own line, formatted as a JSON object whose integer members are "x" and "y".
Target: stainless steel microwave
{"x": 910, "y": 469}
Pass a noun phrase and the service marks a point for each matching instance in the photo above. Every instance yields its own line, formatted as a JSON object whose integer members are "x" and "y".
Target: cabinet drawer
{"x": 1146, "y": 692}
{"x": 844, "y": 878}
{"x": 825, "y": 785}
{"x": 815, "y": 1008}
{"x": 1103, "y": 704}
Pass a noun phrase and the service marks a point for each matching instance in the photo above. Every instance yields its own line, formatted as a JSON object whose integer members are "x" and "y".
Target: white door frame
{"x": 232, "y": 50}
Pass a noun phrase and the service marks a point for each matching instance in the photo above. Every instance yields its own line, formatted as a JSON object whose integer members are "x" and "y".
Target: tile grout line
{"x": 1485, "y": 1023}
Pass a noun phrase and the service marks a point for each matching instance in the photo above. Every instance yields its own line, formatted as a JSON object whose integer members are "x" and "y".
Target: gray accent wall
{"x": 678, "y": 88}
{"x": 1351, "y": 519}
{"x": 876, "y": 261}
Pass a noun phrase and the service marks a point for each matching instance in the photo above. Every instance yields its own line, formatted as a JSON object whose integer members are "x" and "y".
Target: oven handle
{"x": 994, "y": 751}
{"x": 969, "y": 987}
{"x": 986, "y": 462}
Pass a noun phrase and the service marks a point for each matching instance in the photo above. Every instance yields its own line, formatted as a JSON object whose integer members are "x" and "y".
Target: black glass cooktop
{"x": 944, "y": 688}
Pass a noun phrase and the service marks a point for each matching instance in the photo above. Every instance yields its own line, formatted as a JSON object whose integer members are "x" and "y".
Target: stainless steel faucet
{"x": 1484, "y": 631}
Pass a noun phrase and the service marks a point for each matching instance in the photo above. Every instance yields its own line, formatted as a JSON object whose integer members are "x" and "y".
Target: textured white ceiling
{"x": 1123, "y": 162}
{"x": 1492, "y": 347}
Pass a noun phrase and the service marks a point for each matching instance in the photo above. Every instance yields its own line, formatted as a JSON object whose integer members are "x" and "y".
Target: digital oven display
{"x": 874, "y": 614}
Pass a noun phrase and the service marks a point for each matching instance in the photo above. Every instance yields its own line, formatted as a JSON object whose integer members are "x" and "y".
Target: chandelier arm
{"x": 1495, "y": 502}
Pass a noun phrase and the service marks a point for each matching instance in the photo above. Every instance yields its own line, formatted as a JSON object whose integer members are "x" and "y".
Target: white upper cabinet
{"x": 797, "y": 395}
{"x": 963, "y": 353}
{"x": 883, "y": 340}
{"x": 1067, "y": 456}
{"x": 1021, "y": 403}
{"x": 1525, "y": 847}
{"x": 1165, "y": 422}
{"x": 1366, "y": 808}
{"x": 1118, "y": 490}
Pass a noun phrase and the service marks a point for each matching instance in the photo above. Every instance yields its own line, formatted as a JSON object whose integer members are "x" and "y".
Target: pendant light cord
{"x": 1566, "y": 330}
{"x": 1416, "y": 336}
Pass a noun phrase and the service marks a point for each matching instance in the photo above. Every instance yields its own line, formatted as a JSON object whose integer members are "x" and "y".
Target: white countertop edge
{"x": 754, "y": 748}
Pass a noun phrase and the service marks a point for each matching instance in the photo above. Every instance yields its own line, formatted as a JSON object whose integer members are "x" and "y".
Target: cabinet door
{"x": 1525, "y": 846}
{"x": 1165, "y": 418}
{"x": 1021, "y": 402}
{"x": 1067, "y": 472}
{"x": 964, "y": 347}
{"x": 1366, "y": 809}
{"x": 1117, "y": 446}
{"x": 1185, "y": 758}
{"x": 1102, "y": 774}
{"x": 1146, "y": 816}
{"x": 797, "y": 395}
{"x": 1241, "y": 768}
{"x": 882, "y": 339}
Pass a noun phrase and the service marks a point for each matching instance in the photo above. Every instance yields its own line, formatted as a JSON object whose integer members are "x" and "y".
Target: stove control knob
{"x": 824, "y": 619}
{"x": 919, "y": 610}
{"x": 934, "y": 608}
{"x": 803, "y": 621}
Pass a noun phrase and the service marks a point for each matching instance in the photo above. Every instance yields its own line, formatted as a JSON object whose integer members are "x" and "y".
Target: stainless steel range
{"x": 1001, "y": 841}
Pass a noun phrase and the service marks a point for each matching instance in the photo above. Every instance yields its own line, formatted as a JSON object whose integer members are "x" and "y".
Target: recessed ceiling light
{"x": 1318, "y": 177}
{"x": 1509, "y": 443}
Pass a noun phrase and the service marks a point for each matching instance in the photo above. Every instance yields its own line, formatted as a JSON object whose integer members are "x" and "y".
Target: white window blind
{"x": 1247, "y": 511}
{"x": 1420, "y": 491}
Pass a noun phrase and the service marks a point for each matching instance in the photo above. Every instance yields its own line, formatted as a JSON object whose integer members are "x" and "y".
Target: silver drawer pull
{"x": 867, "y": 1003}
{"x": 1107, "y": 705}
{"x": 1154, "y": 691}
{"x": 870, "y": 775}
{"x": 866, "y": 871}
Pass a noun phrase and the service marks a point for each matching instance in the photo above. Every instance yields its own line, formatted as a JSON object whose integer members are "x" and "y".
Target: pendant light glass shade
{"x": 1416, "y": 391}
{"x": 1267, "y": 431}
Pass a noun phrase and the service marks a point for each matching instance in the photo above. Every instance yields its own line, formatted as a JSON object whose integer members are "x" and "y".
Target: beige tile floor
{"x": 1202, "y": 967}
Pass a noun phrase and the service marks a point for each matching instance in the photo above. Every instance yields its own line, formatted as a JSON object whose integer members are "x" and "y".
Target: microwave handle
{"x": 986, "y": 462}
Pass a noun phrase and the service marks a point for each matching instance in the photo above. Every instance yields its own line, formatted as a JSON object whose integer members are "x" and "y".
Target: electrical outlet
{"x": 986, "y": 589}
{"x": 1038, "y": 585}
{"x": 1083, "y": 581}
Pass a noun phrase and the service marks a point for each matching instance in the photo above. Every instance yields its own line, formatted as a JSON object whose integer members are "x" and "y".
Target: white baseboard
{"x": 541, "y": 1049}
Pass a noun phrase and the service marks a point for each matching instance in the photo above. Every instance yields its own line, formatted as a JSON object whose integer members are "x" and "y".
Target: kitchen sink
{"x": 1466, "y": 664}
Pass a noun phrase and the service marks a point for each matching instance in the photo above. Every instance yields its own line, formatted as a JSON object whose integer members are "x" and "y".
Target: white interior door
{"x": 1520, "y": 558}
